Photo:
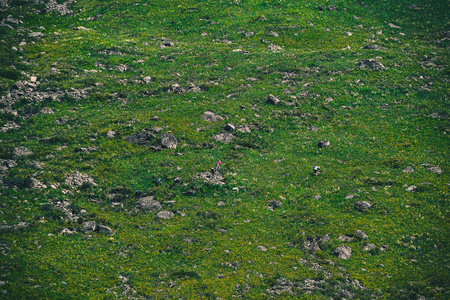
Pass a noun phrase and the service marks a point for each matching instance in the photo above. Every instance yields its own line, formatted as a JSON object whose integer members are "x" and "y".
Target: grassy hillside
{"x": 101, "y": 99}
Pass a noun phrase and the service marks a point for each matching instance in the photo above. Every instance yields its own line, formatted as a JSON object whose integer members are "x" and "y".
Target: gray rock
{"x": 346, "y": 33}
{"x": 373, "y": 47}
{"x": 67, "y": 232}
{"x": 81, "y": 28}
{"x": 372, "y": 64}
{"x": 230, "y": 127}
{"x": 78, "y": 179}
{"x": 209, "y": 116}
{"x": 271, "y": 99}
{"x": 411, "y": 188}
{"x": 37, "y": 184}
{"x": 104, "y": 229}
{"x": 330, "y": 8}
{"x": 10, "y": 125}
{"x": 408, "y": 169}
{"x": 394, "y": 26}
{"x": 274, "y": 48}
{"x": 369, "y": 247}
{"x": 262, "y": 248}
{"x": 345, "y": 238}
{"x": 168, "y": 140}
{"x": 165, "y": 215}
{"x": 143, "y": 138}
{"x": 165, "y": 42}
{"x": 362, "y": 205}
{"x": 244, "y": 129}
{"x": 21, "y": 151}
{"x": 214, "y": 178}
{"x": 361, "y": 235}
{"x": 274, "y": 203}
{"x": 273, "y": 33}
{"x": 149, "y": 203}
{"x": 147, "y": 79}
{"x": 435, "y": 170}
{"x": 47, "y": 110}
{"x": 343, "y": 252}
{"x": 314, "y": 129}
{"x": 89, "y": 226}
{"x": 224, "y": 137}
{"x": 110, "y": 134}
{"x": 61, "y": 9}
{"x": 323, "y": 144}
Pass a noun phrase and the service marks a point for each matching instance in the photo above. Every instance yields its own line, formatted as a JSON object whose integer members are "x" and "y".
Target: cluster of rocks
{"x": 178, "y": 89}
{"x": 147, "y": 137}
{"x": 79, "y": 179}
{"x": 93, "y": 226}
{"x": 61, "y": 9}
{"x": 150, "y": 204}
{"x": 213, "y": 177}
{"x": 371, "y": 64}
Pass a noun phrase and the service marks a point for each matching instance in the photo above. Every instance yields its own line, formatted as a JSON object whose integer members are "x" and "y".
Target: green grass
{"x": 378, "y": 123}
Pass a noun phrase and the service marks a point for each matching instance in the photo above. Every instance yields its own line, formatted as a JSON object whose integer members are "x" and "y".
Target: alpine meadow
{"x": 221, "y": 149}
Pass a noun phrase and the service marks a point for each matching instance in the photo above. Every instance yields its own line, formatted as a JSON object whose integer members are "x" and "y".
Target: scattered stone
{"x": 345, "y": 238}
{"x": 262, "y": 248}
{"x": 62, "y": 9}
{"x": 343, "y": 252}
{"x": 143, "y": 138}
{"x": 394, "y": 26}
{"x": 33, "y": 79}
{"x": 10, "y": 125}
{"x": 346, "y": 33}
{"x": 37, "y": 184}
{"x": 273, "y": 33}
{"x": 110, "y": 134}
{"x": 168, "y": 140}
{"x": 369, "y": 247}
{"x": 362, "y": 205}
{"x": 310, "y": 23}
{"x": 47, "y": 110}
{"x": 90, "y": 226}
{"x": 351, "y": 196}
{"x": 149, "y": 203}
{"x": 21, "y": 151}
{"x": 361, "y": 235}
{"x": 273, "y": 204}
{"x": 165, "y": 215}
{"x": 435, "y": 170}
{"x": 67, "y": 232}
{"x": 81, "y": 28}
{"x": 323, "y": 144}
{"x": 274, "y": 48}
{"x": 411, "y": 188}
{"x": 372, "y": 64}
{"x": 165, "y": 42}
{"x": 317, "y": 197}
{"x": 314, "y": 129}
{"x": 19, "y": 85}
{"x": 373, "y": 47}
{"x": 209, "y": 116}
{"x": 214, "y": 178}
{"x": 224, "y": 137}
{"x": 104, "y": 229}
{"x": 271, "y": 99}
{"x": 409, "y": 169}
{"x": 312, "y": 244}
{"x": 78, "y": 179}
{"x": 249, "y": 34}
{"x": 147, "y": 79}
{"x": 230, "y": 127}
{"x": 221, "y": 203}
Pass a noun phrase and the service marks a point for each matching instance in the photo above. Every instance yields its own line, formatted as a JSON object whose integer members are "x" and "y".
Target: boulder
{"x": 168, "y": 140}
{"x": 209, "y": 116}
{"x": 271, "y": 99}
{"x": 149, "y": 203}
{"x": 142, "y": 138}
{"x": 224, "y": 137}
{"x": 362, "y": 205}
{"x": 369, "y": 247}
{"x": 361, "y": 235}
{"x": 323, "y": 144}
{"x": 89, "y": 226}
{"x": 408, "y": 169}
{"x": 165, "y": 215}
{"x": 372, "y": 64}
{"x": 21, "y": 151}
{"x": 343, "y": 252}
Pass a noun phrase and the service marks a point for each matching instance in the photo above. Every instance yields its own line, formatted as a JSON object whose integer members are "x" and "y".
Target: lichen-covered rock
{"x": 361, "y": 235}
{"x": 78, "y": 179}
{"x": 149, "y": 203}
{"x": 362, "y": 205}
{"x": 343, "y": 252}
{"x": 143, "y": 138}
{"x": 372, "y": 64}
{"x": 211, "y": 117}
{"x": 224, "y": 137}
{"x": 271, "y": 99}
{"x": 165, "y": 215}
{"x": 168, "y": 140}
